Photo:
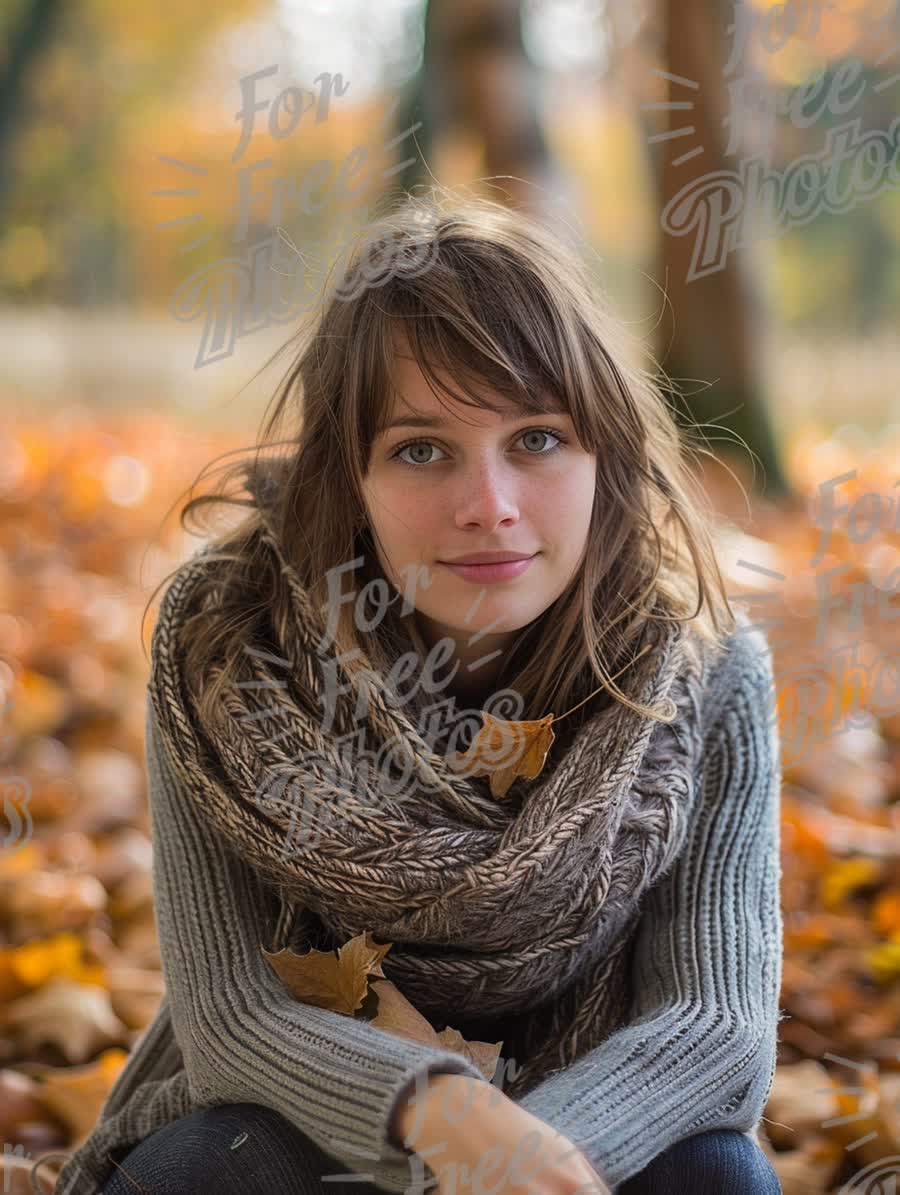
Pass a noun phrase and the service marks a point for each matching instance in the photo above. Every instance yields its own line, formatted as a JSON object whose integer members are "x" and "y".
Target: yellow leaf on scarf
{"x": 340, "y": 980}
{"x": 504, "y": 750}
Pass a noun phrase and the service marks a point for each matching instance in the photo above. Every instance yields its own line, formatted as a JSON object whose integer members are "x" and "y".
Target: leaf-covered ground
{"x": 88, "y": 531}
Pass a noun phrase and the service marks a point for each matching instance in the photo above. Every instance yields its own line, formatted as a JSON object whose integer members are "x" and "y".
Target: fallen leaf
{"x": 335, "y": 979}
{"x": 77, "y": 1018}
{"x": 47, "y": 902}
{"x": 34, "y": 963}
{"x": 862, "y": 1128}
{"x": 812, "y": 1168}
{"x": 399, "y": 1016}
{"x": 134, "y": 993}
{"x": 886, "y": 911}
{"x": 884, "y": 961}
{"x": 75, "y": 1095}
{"x": 505, "y": 750}
{"x": 41, "y": 704}
{"x": 19, "y": 1102}
{"x": 485, "y": 1055}
{"x": 844, "y": 876}
{"x": 349, "y": 980}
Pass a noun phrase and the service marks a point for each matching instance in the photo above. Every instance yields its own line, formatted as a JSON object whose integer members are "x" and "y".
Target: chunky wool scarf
{"x": 495, "y": 908}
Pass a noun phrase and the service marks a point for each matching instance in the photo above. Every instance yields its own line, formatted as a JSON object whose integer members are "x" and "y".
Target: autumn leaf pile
{"x": 87, "y": 533}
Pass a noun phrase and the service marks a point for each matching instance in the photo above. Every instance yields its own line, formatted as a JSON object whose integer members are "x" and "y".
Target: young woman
{"x": 463, "y": 678}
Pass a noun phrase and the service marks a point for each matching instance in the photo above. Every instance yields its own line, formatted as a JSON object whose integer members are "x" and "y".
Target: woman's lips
{"x": 486, "y": 574}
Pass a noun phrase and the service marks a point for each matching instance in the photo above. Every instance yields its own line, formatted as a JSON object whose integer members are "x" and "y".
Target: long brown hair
{"x": 501, "y": 300}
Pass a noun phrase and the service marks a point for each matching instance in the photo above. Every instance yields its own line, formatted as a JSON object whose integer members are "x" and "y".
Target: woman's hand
{"x": 492, "y": 1146}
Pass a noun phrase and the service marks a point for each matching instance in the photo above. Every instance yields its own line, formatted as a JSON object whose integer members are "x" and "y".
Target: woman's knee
{"x": 246, "y": 1147}
{"x": 719, "y": 1162}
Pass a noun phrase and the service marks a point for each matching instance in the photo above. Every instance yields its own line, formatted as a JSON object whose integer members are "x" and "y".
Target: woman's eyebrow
{"x": 434, "y": 421}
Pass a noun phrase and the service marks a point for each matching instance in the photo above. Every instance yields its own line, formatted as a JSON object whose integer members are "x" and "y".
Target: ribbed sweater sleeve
{"x": 149, "y": 1093}
{"x": 698, "y": 1051}
{"x": 243, "y": 1037}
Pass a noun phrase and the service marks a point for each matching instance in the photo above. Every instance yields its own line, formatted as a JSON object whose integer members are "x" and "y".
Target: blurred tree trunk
{"x": 710, "y": 331}
{"x": 477, "y": 82}
{"x": 24, "y": 44}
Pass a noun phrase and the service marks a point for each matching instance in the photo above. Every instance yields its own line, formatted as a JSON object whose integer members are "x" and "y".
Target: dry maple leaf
{"x": 399, "y": 1016}
{"x": 340, "y": 980}
{"x": 335, "y": 979}
{"x": 482, "y": 1054}
{"x": 505, "y": 750}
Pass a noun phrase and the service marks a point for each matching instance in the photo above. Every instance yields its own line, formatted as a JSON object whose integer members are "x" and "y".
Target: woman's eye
{"x": 541, "y": 432}
{"x": 419, "y": 445}
{"x": 411, "y": 445}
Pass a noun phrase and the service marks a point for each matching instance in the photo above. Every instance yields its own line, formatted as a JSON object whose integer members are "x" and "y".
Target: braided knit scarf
{"x": 496, "y": 908}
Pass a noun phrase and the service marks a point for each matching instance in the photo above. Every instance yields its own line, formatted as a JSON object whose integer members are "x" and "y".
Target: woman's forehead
{"x": 422, "y": 408}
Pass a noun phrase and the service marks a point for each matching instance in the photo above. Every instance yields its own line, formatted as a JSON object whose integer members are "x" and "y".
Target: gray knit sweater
{"x": 698, "y": 1051}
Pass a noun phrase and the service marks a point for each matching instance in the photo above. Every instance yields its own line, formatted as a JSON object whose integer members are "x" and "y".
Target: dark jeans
{"x": 253, "y": 1150}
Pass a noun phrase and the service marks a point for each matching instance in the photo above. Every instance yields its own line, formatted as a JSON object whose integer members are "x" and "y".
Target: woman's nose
{"x": 487, "y": 494}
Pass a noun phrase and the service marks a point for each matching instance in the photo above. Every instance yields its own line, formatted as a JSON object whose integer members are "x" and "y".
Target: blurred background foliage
{"x": 112, "y": 87}
{"x": 118, "y": 180}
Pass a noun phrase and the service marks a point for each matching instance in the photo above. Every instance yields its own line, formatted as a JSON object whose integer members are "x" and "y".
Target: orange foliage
{"x": 82, "y": 544}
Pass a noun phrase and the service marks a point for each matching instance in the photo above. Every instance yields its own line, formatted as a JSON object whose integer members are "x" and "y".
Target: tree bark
{"x": 711, "y": 328}
{"x": 25, "y": 45}
{"x": 477, "y": 81}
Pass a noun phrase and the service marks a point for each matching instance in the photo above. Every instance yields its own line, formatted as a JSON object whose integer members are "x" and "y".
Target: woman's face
{"x": 476, "y": 482}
